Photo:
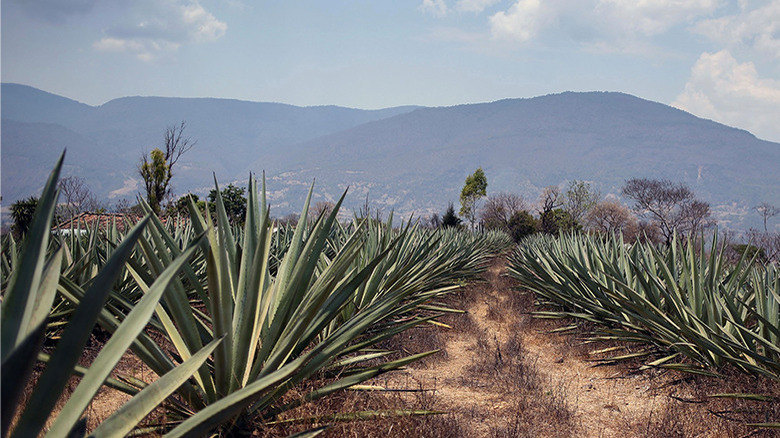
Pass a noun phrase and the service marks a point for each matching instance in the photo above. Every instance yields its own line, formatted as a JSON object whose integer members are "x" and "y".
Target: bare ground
{"x": 502, "y": 373}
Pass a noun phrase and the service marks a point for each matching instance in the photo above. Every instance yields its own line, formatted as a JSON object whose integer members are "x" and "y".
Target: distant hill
{"x": 409, "y": 159}
{"x": 105, "y": 142}
{"x": 421, "y": 158}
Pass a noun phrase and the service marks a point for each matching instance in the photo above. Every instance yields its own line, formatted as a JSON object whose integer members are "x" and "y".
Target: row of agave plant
{"x": 230, "y": 319}
{"x": 682, "y": 301}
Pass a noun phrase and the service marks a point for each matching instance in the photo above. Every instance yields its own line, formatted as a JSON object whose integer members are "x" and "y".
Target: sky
{"x": 717, "y": 59}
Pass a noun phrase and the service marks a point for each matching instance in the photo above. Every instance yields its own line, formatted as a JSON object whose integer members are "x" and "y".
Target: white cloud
{"x": 474, "y": 5}
{"x": 520, "y": 23}
{"x": 164, "y": 28}
{"x": 617, "y": 25}
{"x": 434, "y": 7}
{"x": 757, "y": 28}
{"x": 722, "y": 89}
{"x": 652, "y": 17}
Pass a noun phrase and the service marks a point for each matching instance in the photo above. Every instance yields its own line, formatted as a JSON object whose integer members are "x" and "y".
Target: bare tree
{"x": 550, "y": 199}
{"x": 696, "y": 216}
{"x": 290, "y": 219}
{"x": 75, "y": 196}
{"x": 611, "y": 217}
{"x": 672, "y": 207}
{"x": 767, "y": 211}
{"x": 156, "y": 169}
{"x": 321, "y": 208}
{"x": 433, "y": 222}
{"x": 500, "y": 208}
{"x": 768, "y": 242}
{"x": 552, "y": 218}
{"x": 176, "y": 144}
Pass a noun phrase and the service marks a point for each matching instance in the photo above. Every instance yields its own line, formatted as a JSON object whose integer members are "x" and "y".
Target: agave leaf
{"x": 116, "y": 346}
{"x": 22, "y": 297}
{"x": 73, "y": 340}
{"x": 121, "y": 422}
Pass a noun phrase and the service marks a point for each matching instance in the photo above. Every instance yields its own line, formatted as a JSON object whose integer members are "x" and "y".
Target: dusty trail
{"x": 476, "y": 380}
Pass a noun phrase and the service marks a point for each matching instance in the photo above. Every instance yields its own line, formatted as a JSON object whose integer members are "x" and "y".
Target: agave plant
{"x": 679, "y": 300}
{"x": 26, "y": 304}
{"x": 278, "y": 330}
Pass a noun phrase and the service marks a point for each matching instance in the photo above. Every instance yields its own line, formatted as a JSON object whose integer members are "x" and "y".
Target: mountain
{"x": 105, "y": 142}
{"x": 407, "y": 159}
{"x": 421, "y": 158}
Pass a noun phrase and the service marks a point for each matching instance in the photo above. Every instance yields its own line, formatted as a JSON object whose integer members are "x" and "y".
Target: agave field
{"x": 684, "y": 307}
{"x": 230, "y": 319}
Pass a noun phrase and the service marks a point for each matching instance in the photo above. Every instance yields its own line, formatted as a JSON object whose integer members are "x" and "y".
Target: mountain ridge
{"x": 409, "y": 159}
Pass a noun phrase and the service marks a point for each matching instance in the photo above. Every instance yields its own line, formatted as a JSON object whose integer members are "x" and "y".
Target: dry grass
{"x": 501, "y": 373}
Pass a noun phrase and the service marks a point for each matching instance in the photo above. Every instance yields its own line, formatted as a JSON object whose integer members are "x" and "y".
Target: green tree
{"x": 234, "y": 200}
{"x": 556, "y": 220}
{"x": 181, "y": 206}
{"x": 22, "y": 213}
{"x": 450, "y": 219}
{"x": 154, "y": 171}
{"x": 579, "y": 198}
{"x": 522, "y": 224}
{"x": 157, "y": 168}
{"x": 474, "y": 189}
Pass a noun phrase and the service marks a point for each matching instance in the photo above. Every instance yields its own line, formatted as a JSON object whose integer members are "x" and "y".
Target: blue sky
{"x": 717, "y": 59}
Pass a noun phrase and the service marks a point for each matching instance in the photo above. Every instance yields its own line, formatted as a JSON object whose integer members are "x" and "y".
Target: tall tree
{"x": 611, "y": 217}
{"x": 672, "y": 207}
{"x": 767, "y": 211}
{"x": 22, "y": 213}
{"x": 154, "y": 172}
{"x": 450, "y": 219}
{"x": 321, "y": 208}
{"x": 500, "y": 208}
{"x": 75, "y": 196}
{"x": 552, "y": 217}
{"x": 157, "y": 168}
{"x": 474, "y": 189}
{"x": 234, "y": 200}
{"x": 579, "y": 198}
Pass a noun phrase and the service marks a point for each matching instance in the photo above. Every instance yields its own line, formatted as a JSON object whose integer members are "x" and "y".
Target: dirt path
{"x": 501, "y": 376}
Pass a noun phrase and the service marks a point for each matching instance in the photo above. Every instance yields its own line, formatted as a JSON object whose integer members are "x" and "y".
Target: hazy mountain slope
{"x": 526, "y": 144}
{"x": 409, "y": 159}
{"x": 230, "y": 134}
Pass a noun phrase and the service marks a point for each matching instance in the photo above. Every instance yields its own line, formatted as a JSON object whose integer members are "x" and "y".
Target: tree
{"x": 157, "y": 169}
{"x": 474, "y": 189}
{"x": 234, "y": 201}
{"x": 22, "y": 213}
{"x": 550, "y": 199}
{"x": 434, "y": 221}
{"x": 522, "y": 224}
{"x": 767, "y": 211}
{"x": 181, "y": 207}
{"x": 75, "y": 196}
{"x": 579, "y": 198}
{"x": 671, "y": 207}
{"x": 611, "y": 217}
{"x": 155, "y": 174}
{"x": 126, "y": 207}
{"x": 450, "y": 219}
{"x": 557, "y": 220}
{"x": 321, "y": 208}
{"x": 768, "y": 242}
{"x": 552, "y": 218}
{"x": 499, "y": 209}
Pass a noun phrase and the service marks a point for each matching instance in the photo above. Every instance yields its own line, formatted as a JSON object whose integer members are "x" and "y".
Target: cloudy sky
{"x": 718, "y": 59}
